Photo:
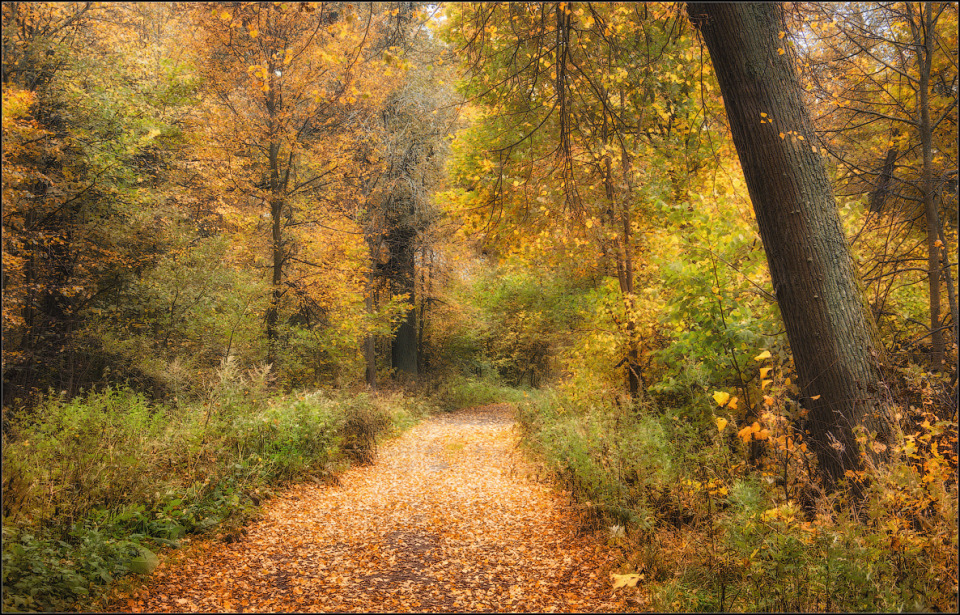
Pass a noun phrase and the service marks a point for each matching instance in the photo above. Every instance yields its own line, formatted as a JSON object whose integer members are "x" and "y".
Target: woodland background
{"x": 242, "y": 241}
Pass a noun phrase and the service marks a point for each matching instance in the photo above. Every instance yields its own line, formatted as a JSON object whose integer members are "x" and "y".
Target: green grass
{"x": 94, "y": 485}
{"x": 712, "y": 532}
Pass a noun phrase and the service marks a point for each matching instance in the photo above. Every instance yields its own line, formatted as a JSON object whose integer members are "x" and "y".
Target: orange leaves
{"x": 754, "y": 431}
{"x": 445, "y": 521}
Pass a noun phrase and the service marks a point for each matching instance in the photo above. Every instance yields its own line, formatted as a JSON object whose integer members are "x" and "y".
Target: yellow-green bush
{"x": 90, "y": 482}
{"x": 713, "y": 528}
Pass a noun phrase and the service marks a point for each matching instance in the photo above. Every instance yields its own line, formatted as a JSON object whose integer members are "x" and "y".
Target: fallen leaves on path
{"x": 446, "y": 520}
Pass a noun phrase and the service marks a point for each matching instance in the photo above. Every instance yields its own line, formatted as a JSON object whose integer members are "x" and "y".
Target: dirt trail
{"x": 446, "y": 520}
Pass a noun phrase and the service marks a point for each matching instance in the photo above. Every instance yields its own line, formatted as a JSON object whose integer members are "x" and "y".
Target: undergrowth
{"x": 457, "y": 391}
{"x": 92, "y": 486}
{"x": 703, "y": 525}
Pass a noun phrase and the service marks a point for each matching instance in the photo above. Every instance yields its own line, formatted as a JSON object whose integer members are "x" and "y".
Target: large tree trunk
{"x": 404, "y": 348}
{"x": 829, "y": 327}
{"x": 403, "y": 271}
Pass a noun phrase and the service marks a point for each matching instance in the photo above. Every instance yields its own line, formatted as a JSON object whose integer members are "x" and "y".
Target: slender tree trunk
{"x": 276, "y": 293}
{"x": 370, "y": 344}
{"x": 923, "y": 39}
{"x": 830, "y": 329}
{"x": 634, "y": 376}
{"x": 620, "y": 215}
{"x": 951, "y": 293}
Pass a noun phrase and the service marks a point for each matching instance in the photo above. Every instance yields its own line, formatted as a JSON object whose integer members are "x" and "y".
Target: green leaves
{"x": 143, "y": 562}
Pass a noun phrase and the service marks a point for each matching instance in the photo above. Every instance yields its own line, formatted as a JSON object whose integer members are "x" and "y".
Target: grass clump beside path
{"x": 703, "y": 527}
{"x": 94, "y": 485}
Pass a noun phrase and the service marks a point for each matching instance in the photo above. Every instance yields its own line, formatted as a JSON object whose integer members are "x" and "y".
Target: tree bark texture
{"x": 276, "y": 243}
{"x": 403, "y": 274}
{"x": 924, "y": 43}
{"x": 830, "y": 330}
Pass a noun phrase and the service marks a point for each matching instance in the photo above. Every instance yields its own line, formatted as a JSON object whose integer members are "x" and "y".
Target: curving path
{"x": 447, "y": 519}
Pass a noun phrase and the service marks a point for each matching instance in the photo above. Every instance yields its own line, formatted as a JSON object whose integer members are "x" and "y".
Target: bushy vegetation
{"x": 94, "y": 484}
{"x": 711, "y": 525}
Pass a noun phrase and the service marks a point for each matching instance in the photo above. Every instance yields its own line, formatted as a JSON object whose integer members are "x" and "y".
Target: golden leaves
{"x": 753, "y": 431}
{"x": 626, "y": 580}
{"x": 445, "y": 520}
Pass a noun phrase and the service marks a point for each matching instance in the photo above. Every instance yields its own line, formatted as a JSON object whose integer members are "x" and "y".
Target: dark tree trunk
{"x": 924, "y": 42}
{"x": 401, "y": 269}
{"x": 276, "y": 211}
{"x": 370, "y": 347}
{"x": 404, "y": 348}
{"x": 829, "y": 327}
{"x": 879, "y": 195}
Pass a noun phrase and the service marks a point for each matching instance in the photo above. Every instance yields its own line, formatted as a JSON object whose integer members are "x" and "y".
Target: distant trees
{"x": 579, "y": 103}
{"x": 883, "y": 81}
{"x": 185, "y": 183}
{"x": 87, "y": 133}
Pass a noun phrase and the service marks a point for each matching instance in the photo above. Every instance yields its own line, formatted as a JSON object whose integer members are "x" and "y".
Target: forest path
{"x": 448, "y": 519}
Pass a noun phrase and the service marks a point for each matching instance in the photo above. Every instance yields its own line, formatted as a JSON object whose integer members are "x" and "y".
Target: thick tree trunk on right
{"x": 829, "y": 327}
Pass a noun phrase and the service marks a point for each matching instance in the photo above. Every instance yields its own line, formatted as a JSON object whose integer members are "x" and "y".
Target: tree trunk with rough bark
{"x": 830, "y": 329}
{"x": 923, "y": 37}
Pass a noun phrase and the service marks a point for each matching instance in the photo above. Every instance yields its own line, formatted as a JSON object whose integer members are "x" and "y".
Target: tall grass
{"x": 93, "y": 484}
{"x": 711, "y": 530}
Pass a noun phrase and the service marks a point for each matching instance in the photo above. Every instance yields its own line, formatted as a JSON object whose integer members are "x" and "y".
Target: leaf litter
{"x": 449, "y": 519}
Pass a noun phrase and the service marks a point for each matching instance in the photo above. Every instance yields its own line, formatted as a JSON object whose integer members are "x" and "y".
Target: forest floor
{"x": 451, "y": 517}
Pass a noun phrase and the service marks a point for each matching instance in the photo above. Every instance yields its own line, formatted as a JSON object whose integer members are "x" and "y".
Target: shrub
{"x": 458, "y": 391}
{"x": 719, "y": 522}
{"x": 93, "y": 484}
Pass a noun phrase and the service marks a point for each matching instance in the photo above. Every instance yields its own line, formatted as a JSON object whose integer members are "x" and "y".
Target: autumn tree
{"x": 87, "y": 133}
{"x": 883, "y": 82}
{"x": 830, "y": 329}
{"x": 281, "y": 83}
{"x": 587, "y": 118}
{"x": 408, "y": 140}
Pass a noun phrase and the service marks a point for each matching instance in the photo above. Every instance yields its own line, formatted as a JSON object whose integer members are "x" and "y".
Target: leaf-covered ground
{"x": 448, "y": 519}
